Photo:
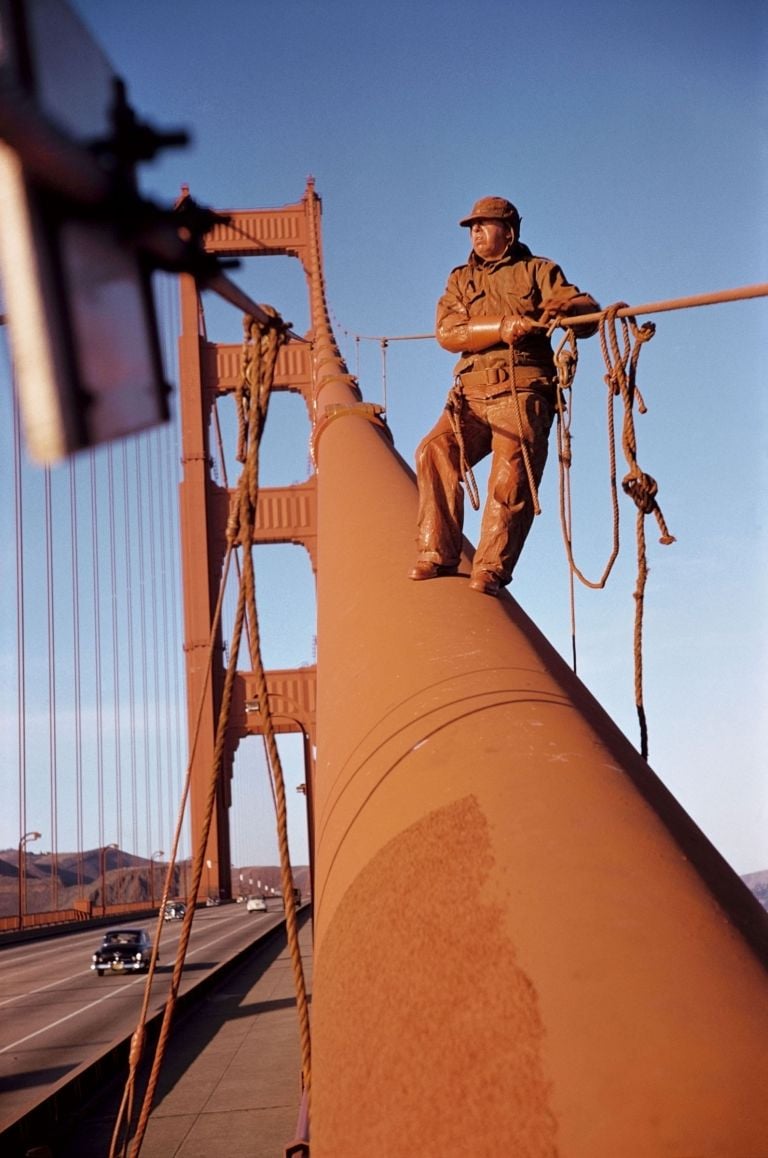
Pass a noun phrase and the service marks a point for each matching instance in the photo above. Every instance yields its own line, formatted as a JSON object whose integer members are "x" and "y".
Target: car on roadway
{"x": 123, "y": 951}
{"x": 174, "y": 911}
{"x": 256, "y": 905}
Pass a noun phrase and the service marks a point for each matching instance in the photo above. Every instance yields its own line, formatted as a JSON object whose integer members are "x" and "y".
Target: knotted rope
{"x": 640, "y": 486}
{"x": 621, "y": 340}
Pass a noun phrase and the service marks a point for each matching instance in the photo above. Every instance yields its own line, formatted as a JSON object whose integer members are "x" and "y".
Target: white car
{"x": 256, "y": 905}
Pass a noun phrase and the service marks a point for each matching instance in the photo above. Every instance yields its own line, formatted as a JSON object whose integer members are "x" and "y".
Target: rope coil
{"x": 621, "y": 340}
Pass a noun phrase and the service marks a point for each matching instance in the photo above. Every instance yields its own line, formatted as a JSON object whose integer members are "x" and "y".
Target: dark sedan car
{"x": 123, "y": 951}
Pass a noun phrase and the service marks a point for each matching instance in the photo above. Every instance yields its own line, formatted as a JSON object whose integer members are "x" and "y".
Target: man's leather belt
{"x": 489, "y": 377}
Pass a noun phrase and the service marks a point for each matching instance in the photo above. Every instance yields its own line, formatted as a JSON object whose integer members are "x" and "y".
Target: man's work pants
{"x": 489, "y": 426}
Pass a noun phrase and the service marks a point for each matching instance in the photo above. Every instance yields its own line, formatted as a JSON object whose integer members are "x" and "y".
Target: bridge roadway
{"x": 239, "y": 1052}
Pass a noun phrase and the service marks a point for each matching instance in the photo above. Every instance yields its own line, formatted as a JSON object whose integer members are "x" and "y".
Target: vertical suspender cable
{"x": 143, "y": 643}
{"x": 129, "y": 584}
{"x": 115, "y": 647}
{"x": 97, "y": 649}
{"x": 170, "y": 454}
{"x": 72, "y": 467}
{"x": 164, "y": 809}
{"x": 52, "y": 747}
{"x": 20, "y": 679}
{"x": 171, "y": 537}
{"x": 163, "y": 580}
{"x": 384, "y": 343}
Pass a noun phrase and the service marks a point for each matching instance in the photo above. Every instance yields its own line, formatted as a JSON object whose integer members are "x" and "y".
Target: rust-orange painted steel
{"x": 523, "y": 945}
{"x": 203, "y": 548}
{"x": 211, "y": 370}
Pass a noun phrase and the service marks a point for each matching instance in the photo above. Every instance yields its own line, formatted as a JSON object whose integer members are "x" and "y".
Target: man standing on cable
{"x": 494, "y": 313}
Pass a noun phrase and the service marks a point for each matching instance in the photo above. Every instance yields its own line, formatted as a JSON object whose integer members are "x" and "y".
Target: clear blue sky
{"x": 632, "y": 139}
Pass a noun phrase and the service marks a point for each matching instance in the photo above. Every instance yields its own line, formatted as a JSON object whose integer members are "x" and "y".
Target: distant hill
{"x": 758, "y": 883}
{"x": 58, "y": 881}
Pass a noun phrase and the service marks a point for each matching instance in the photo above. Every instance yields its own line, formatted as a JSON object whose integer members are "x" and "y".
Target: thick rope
{"x": 260, "y": 351}
{"x": 260, "y": 361}
{"x": 121, "y": 1132}
{"x": 641, "y": 487}
{"x": 566, "y": 361}
{"x": 197, "y": 874}
{"x": 621, "y": 358}
{"x": 454, "y": 406}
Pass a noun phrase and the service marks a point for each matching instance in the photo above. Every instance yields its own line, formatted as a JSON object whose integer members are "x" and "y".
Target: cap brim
{"x": 483, "y": 217}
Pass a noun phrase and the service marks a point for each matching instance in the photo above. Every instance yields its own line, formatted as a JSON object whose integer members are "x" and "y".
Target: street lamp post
{"x": 103, "y": 868}
{"x": 152, "y": 875}
{"x": 23, "y": 873}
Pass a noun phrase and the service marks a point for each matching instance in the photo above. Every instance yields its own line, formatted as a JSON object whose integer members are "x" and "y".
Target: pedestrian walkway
{"x": 230, "y": 1082}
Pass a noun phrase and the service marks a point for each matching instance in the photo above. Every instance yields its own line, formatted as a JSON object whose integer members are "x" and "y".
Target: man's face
{"x": 490, "y": 237}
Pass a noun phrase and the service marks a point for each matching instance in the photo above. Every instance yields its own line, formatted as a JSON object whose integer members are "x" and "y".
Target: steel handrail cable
{"x": 641, "y": 487}
{"x": 718, "y": 297}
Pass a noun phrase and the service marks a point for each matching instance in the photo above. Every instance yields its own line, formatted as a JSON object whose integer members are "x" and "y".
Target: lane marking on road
{"x": 72, "y": 976}
{"x": 98, "y": 1001}
{"x": 68, "y": 1016}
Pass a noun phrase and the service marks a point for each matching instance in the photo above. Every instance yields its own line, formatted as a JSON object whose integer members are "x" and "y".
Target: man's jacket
{"x": 517, "y": 283}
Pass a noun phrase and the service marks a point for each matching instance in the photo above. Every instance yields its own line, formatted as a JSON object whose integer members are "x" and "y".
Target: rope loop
{"x": 454, "y": 405}
{"x": 621, "y": 340}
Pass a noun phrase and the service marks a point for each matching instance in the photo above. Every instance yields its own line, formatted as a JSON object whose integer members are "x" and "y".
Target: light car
{"x": 174, "y": 911}
{"x": 256, "y": 905}
{"x": 123, "y": 951}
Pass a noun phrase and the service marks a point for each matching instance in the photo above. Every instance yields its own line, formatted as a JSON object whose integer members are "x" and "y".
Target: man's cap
{"x": 493, "y": 207}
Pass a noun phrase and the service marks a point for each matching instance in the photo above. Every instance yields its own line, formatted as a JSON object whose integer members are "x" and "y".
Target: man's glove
{"x": 514, "y": 328}
{"x": 563, "y": 307}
